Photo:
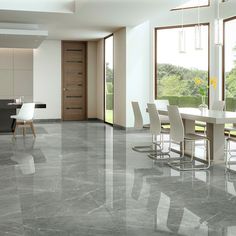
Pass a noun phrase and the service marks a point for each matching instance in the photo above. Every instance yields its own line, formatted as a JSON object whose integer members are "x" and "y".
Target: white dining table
{"x": 215, "y": 121}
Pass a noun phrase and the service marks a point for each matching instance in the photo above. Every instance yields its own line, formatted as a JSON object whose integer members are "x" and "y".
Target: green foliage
{"x": 109, "y": 87}
{"x": 231, "y": 83}
{"x": 166, "y": 86}
{"x": 183, "y": 101}
{"x": 109, "y": 73}
{"x": 109, "y": 101}
{"x": 179, "y": 81}
{"x": 177, "y": 84}
{"x": 187, "y": 101}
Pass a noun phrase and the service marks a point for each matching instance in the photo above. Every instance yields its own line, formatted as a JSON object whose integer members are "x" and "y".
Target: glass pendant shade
{"x": 198, "y": 37}
{"x": 182, "y": 43}
{"x": 219, "y": 32}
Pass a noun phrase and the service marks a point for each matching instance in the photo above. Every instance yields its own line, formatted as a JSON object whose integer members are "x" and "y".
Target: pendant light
{"x": 182, "y": 42}
{"x": 198, "y": 31}
{"x": 218, "y": 27}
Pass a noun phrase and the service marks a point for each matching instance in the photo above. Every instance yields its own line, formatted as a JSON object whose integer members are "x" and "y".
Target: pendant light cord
{"x": 182, "y": 15}
{"x": 198, "y": 14}
{"x": 218, "y": 9}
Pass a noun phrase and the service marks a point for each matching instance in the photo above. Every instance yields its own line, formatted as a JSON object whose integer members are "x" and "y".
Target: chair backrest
{"x": 218, "y": 106}
{"x": 162, "y": 104}
{"x": 155, "y": 122}
{"x": 138, "y": 119}
{"x": 176, "y": 124}
{"x": 26, "y": 112}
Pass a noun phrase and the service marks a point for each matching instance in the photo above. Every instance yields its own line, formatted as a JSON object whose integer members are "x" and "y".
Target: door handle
{"x": 65, "y": 89}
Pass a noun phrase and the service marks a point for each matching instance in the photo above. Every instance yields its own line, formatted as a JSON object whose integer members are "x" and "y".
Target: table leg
{"x": 13, "y": 125}
{"x": 189, "y": 127}
{"x": 215, "y": 133}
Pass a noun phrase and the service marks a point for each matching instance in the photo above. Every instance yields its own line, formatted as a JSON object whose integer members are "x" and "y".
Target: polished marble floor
{"x": 81, "y": 178}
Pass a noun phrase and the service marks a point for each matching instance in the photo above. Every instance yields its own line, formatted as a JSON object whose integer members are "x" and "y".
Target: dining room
{"x": 118, "y": 117}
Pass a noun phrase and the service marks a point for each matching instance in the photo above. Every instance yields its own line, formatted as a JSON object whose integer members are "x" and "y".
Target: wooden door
{"x": 74, "y": 80}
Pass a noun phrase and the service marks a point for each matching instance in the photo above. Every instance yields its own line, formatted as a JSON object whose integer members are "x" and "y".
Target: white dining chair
{"x": 156, "y": 130}
{"x": 162, "y": 104}
{"x": 218, "y": 106}
{"x": 230, "y": 129}
{"x": 138, "y": 124}
{"x": 178, "y": 135}
{"x": 230, "y": 153}
{"x": 138, "y": 118}
{"x": 25, "y": 118}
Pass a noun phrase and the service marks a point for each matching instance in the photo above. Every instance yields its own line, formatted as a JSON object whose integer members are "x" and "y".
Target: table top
{"x": 10, "y": 104}
{"x": 208, "y": 116}
{"x": 18, "y": 105}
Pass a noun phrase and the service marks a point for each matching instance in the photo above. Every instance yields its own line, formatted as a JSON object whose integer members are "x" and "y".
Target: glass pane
{"x": 181, "y": 76}
{"x": 109, "y": 80}
{"x": 230, "y": 65}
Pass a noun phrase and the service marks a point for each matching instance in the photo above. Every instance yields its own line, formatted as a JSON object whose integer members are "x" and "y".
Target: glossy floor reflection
{"x": 84, "y": 179}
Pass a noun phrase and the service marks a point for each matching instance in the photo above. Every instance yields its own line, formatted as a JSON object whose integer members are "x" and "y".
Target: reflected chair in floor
{"x": 156, "y": 130}
{"x": 138, "y": 125}
{"x": 25, "y": 118}
{"x": 178, "y": 135}
{"x": 140, "y": 176}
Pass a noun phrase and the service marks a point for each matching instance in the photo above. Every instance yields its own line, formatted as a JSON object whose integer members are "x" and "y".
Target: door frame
{"x": 62, "y": 76}
{"x": 104, "y": 77}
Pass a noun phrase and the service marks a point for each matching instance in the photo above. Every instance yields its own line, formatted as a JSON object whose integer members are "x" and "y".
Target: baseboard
{"x": 47, "y": 121}
{"x": 119, "y": 127}
{"x": 60, "y": 120}
{"x": 95, "y": 120}
{"x": 115, "y": 126}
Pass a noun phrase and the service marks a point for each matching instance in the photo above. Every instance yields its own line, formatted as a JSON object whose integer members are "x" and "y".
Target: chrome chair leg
{"x": 177, "y": 165}
{"x": 148, "y": 148}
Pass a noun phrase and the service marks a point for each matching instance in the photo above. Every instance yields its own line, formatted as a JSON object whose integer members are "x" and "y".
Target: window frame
{"x": 223, "y": 56}
{"x": 104, "y": 79}
{"x": 155, "y": 53}
{"x": 184, "y": 8}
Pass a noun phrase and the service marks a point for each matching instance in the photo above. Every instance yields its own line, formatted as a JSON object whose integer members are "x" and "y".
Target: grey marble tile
{"x": 82, "y": 178}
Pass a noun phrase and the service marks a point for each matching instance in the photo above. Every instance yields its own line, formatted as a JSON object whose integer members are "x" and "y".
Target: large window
{"x": 108, "y": 79}
{"x": 230, "y": 63}
{"x": 176, "y": 73}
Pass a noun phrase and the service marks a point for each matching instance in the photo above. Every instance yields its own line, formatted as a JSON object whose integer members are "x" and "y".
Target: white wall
{"x": 120, "y": 77}
{"x": 47, "y": 79}
{"x": 16, "y": 73}
{"x": 138, "y": 70}
{"x": 92, "y": 79}
{"x": 100, "y": 79}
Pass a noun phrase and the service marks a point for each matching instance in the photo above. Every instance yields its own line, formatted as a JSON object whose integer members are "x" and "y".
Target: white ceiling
{"x": 92, "y": 19}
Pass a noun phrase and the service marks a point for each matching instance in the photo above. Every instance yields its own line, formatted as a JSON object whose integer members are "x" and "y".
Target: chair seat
{"x": 14, "y": 116}
{"x": 200, "y": 124}
{"x": 194, "y": 137}
{"x": 164, "y": 119}
{"x": 231, "y": 128}
{"x": 19, "y": 118}
{"x": 146, "y": 126}
{"x": 165, "y": 130}
{"x": 231, "y": 139}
